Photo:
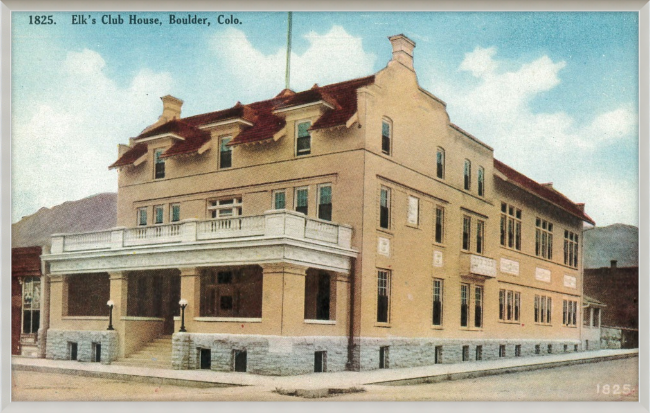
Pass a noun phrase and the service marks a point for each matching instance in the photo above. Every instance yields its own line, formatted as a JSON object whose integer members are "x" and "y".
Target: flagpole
{"x": 288, "y": 71}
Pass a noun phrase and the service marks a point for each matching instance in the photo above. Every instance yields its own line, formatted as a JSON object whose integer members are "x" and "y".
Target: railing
{"x": 230, "y": 227}
{"x": 159, "y": 234}
{"x": 87, "y": 241}
{"x": 273, "y": 224}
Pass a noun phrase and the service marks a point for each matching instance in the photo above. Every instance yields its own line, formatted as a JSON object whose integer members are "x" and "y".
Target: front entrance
{"x": 155, "y": 294}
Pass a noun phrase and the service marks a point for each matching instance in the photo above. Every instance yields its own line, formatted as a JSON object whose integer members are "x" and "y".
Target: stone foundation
{"x": 58, "y": 344}
{"x": 267, "y": 355}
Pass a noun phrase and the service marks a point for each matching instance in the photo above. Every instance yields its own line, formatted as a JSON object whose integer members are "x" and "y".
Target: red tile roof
{"x": 342, "y": 96}
{"x": 26, "y": 262}
{"x": 542, "y": 191}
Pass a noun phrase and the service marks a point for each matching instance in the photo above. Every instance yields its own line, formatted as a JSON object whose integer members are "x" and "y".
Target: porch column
{"x": 45, "y": 315}
{"x": 119, "y": 294}
{"x": 283, "y": 298}
{"x": 191, "y": 291}
{"x": 58, "y": 299}
{"x": 591, "y": 316}
{"x": 341, "y": 300}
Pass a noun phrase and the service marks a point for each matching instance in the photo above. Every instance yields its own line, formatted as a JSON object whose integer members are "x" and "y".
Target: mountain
{"x": 614, "y": 242}
{"x": 93, "y": 213}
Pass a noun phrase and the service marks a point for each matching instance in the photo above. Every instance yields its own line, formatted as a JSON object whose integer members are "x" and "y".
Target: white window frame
{"x": 440, "y": 294}
{"x": 216, "y": 206}
{"x": 298, "y": 123}
{"x": 481, "y": 181}
{"x": 388, "y": 206}
{"x": 318, "y": 198}
{"x": 511, "y": 216}
{"x": 295, "y": 198}
{"x": 171, "y": 211}
{"x": 390, "y": 136}
{"x": 138, "y": 217}
{"x": 440, "y": 152}
{"x": 221, "y": 139}
{"x": 156, "y": 160}
{"x": 469, "y": 233}
{"x": 157, "y": 208}
{"x": 439, "y": 234}
{"x": 274, "y": 200}
{"x": 387, "y": 289}
{"x": 467, "y": 175}
{"x": 510, "y": 298}
{"x": 543, "y": 238}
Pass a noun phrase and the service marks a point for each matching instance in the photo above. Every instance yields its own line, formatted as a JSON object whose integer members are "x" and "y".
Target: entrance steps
{"x": 156, "y": 354}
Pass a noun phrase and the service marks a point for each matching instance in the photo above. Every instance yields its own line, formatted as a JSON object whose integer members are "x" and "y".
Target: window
{"x": 383, "y": 295}
{"x": 465, "y": 353}
{"x": 325, "y": 202}
{"x": 510, "y": 226}
{"x": 569, "y": 312}
{"x": 478, "y": 307}
{"x": 385, "y": 137}
{"x": 509, "y": 305}
{"x": 481, "y": 181}
{"x": 537, "y": 349}
{"x": 230, "y": 293}
{"x": 440, "y": 163}
{"x": 543, "y": 307}
{"x": 158, "y": 214}
{"x": 383, "y": 357}
{"x": 480, "y": 236}
{"x": 320, "y": 361}
{"x": 302, "y": 200}
{"x": 279, "y": 200}
{"x": 438, "y": 355}
{"x": 413, "y": 215}
{"x": 225, "y": 208}
{"x": 239, "y": 360}
{"x": 303, "y": 141}
{"x": 543, "y": 239}
{"x": 225, "y": 153}
{"x": 159, "y": 164}
{"x": 518, "y": 350}
{"x": 468, "y": 175}
{"x": 440, "y": 224}
{"x": 142, "y": 216}
{"x": 570, "y": 249}
{"x": 467, "y": 223}
{"x": 464, "y": 304}
{"x": 502, "y": 350}
{"x": 479, "y": 353}
{"x": 566, "y": 348}
{"x": 384, "y": 208}
{"x": 31, "y": 305}
{"x": 175, "y": 212}
{"x": 205, "y": 358}
{"x": 437, "y": 302}
{"x": 550, "y": 349}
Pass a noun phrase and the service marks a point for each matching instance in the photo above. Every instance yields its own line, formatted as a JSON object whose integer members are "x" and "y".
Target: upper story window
{"x": 383, "y": 296}
{"x": 440, "y": 224}
{"x": 464, "y": 305}
{"x": 386, "y": 135}
{"x": 440, "y": 163}
{"x": 437, "y": 302}
{"x": 302, "y": 200}
{"x": 467, "y": 182}
{"x": 467, "y": 224}
{"x": 413, "y": 214}
{"x": 543, "y": 309}
{"x": 142, "y": 216}
{"x": 570, "y": 249}
{"x": 225, "y": 153}
{"x": 303, "y": 139}
{"x": 384, "y": 208}
{"x": 569, "y": 312}
{"x": 510, "y": 226}
{"x": 279, "y": 199}
{"x": 159, "y": 164}
{"x": 325, "y": 202}
{"x": 175, "y": 212}
{"x": 158, "y": 214}
{"x": 225, "y": 208}
{"x": 478, "y": 306}
{"x": 481, "y": 181}
{"x": 543, "y": 238}
{"x": 480, "y": 236}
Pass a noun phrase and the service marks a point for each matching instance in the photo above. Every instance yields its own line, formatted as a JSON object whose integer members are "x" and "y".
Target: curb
{"x": 496, "y": 371}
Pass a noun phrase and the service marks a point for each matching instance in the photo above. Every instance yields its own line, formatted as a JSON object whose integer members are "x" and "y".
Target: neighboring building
{"x": 618, "y": 288}
{"x": 592, "y": 311}
{"x": 25, "y": 300}
{"x": 350, "y": 226}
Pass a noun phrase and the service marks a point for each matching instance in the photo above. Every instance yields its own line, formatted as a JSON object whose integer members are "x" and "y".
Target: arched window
{"x": 468, "y": 175}
{"x": 440, "y": 163}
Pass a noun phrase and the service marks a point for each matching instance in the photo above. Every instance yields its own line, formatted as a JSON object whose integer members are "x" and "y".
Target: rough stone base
{"x": 58, "y": 344}
{"x": 406, "y": 352}
{"x": 267, "y": 355}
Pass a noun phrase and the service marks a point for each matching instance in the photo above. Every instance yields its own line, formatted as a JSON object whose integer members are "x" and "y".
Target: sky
{"x": 555, "y": 94}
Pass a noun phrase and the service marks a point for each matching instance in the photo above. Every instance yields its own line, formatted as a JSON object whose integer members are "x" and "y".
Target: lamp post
{"x": 183, "y": 304}
{"x": 110, "y": 305}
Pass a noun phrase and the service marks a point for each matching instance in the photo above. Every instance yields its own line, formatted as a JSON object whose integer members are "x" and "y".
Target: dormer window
{"x": 386, "y": 132}
{"x": 225, "y": 153}
{"x": 303, "y": 141}
{"x": 159, "y": 164}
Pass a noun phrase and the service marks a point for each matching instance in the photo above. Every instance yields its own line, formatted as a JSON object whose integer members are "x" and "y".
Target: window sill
{"x": 437, "y": 328}
{"x": 382, "y": 325}
{"x": 438, "y": 244}
{"x": 509, "y": 322}
{"x": 385, "y": 231}
{"x": 324, "y": 322}
{"x": 570, "y": 326}
{"x": 84, "y": 317}
{"x": 224, "y": 319}
{"x": 134, "y": 318}
{"x": 413, "y": 226}
{"x": 544, "y": 324}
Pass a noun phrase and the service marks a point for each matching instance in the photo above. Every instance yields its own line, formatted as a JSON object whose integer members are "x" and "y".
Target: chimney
{"x": 613, "y": 264}
{"x": 171, "y": 108}
{"x": 403, "y": 50}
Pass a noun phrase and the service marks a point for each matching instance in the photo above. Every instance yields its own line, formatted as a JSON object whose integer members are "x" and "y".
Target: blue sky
{"x": 554, "y": 93}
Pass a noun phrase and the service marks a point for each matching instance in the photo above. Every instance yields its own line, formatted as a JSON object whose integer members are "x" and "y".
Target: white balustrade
{"x": 322, "y": 231}
{"x": 230, "y": 227}
{"x": 87, "y": 241}
{"x": 158, "y": 234}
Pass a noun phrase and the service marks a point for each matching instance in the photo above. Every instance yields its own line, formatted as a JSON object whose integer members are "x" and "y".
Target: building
{"x": 592, "y": 311}
{"x": 347, "y": 227}
{"x": 25, "y": 300}
{"x": 618, "y": 288}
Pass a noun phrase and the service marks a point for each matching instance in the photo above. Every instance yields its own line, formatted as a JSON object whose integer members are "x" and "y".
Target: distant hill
{"x": 94, "y": 213}
{"x": 614, "y": 242}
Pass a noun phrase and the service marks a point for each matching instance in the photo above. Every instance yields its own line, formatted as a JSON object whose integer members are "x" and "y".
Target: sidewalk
{"x": 316, "y": 382}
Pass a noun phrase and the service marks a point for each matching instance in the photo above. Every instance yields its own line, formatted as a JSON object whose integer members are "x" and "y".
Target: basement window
{"x": 240, "y": 361}
{"x": 320, "y": 361}
{"x": 205, "y": 358}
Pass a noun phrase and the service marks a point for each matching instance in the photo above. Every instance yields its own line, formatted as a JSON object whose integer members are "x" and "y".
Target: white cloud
{"x": 331, "y": 57}
{"x": 61, "y": 147}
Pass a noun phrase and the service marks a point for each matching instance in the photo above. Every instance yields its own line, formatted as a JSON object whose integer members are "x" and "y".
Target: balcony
{"x": 224, "y": 241}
